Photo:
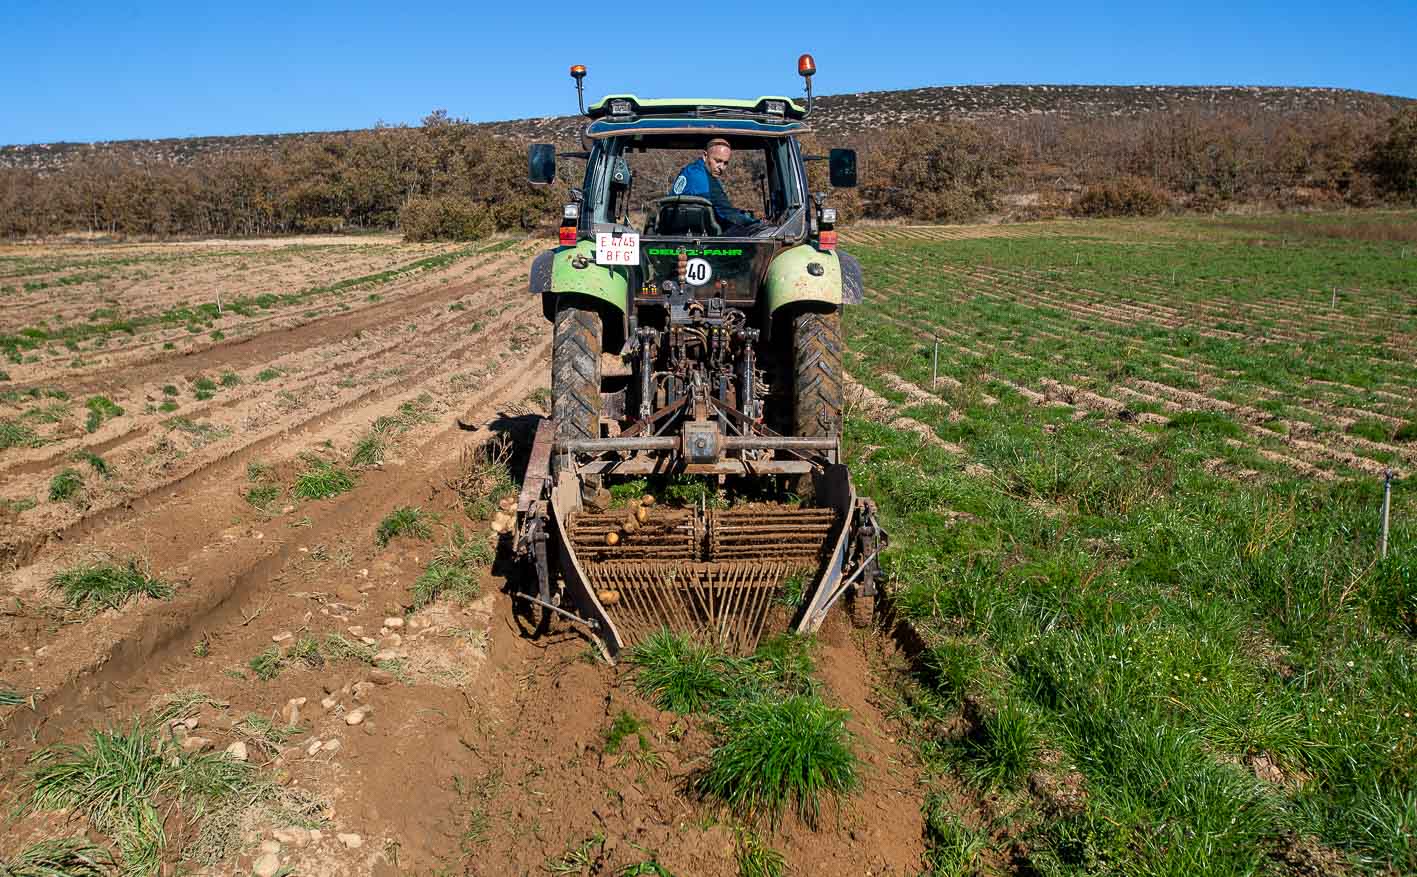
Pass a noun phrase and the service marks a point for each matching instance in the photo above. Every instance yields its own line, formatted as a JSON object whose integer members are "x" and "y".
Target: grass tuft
{"x": 66, "y": 857}
{"x": 679, "y": 675}
{"x": 108, "y": 585}
{"x": 338, "y": 647}
{"x": 97, "y": 463}
{"x": 322, "y": 481}
{"x": 14, "y": 434}
{"x": 484, "y": 477}
{"x": 954, "y": 847}
{"x": 368, "y": 451}
{"x": 268, "y": 664}
{"x": 1004, "y": 748}
{"x": 100, "y": 408}
{"x": 123, "y": 781}
{"x": 67, "y": 485}
{"x": 757, "y": 859}
{"x": 403, "y": 521}
{"x": 454, "y": 570}
{"x": 773, "y": 755}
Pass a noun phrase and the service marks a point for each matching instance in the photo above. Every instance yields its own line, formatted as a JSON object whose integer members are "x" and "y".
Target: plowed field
{"x": 1138, "y": 621}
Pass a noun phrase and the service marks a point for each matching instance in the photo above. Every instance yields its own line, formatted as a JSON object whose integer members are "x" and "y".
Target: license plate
{"x": 617, "y": 249}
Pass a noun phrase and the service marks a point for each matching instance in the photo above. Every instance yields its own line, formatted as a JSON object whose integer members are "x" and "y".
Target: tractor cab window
{"x": 628, "y": 177}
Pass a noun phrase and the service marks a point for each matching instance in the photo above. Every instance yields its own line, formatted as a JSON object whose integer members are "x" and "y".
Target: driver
{"x": 702, "y": 177}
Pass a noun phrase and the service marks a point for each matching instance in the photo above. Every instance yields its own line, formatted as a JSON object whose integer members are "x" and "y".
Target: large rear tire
{"x": 817, "y": 379}
{"x": 575, "y": 373}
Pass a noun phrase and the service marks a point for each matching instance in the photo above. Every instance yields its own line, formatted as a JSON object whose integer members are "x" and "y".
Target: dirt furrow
{"x": 21, "y": 549}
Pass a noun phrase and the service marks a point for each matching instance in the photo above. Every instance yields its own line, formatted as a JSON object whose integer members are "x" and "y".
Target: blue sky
{"x": 116, "y": 70}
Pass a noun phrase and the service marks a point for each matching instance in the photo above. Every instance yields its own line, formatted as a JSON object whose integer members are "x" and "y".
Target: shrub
{"x": 1393, "y": 160}
{"x": 938, "y": 172}
{"x": 1124, "y": 196}
{"x": 444, "y": 218}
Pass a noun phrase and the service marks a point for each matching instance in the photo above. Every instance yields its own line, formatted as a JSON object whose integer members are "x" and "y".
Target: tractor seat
{"x": 688, "y": 215}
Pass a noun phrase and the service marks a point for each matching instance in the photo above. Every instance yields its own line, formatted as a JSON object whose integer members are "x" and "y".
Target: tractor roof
{"x": 770, "y": 116}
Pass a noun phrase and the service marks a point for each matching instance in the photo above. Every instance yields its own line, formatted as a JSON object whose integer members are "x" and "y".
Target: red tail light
{"x": 568, "y": 235}
{"x": 826, "y": 240}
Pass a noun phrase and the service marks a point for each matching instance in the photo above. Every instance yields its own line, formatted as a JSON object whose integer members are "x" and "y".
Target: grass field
{"x": 1135, "y": 522}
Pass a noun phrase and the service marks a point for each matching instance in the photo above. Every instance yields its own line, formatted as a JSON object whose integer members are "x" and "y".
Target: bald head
{"x": 716, "y": 156}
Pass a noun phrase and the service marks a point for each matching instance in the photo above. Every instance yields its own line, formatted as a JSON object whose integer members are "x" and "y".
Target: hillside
{"x": 842, "y": 116}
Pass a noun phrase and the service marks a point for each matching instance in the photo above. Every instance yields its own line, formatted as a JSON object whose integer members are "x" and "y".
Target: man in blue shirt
{"x": 702, "y": 179}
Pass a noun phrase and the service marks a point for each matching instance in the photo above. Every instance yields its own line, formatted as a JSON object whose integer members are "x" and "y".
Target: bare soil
{"x": 485, "y": 753}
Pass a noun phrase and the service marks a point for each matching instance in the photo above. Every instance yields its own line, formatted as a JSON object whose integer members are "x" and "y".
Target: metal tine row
{"x": 722, "y": 606}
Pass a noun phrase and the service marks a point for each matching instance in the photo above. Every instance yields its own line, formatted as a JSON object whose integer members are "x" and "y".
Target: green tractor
{"x": 700, "y": 362}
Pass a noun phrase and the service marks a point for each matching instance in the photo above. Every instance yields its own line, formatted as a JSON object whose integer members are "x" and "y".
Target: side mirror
{"x": 541, "y": 163}
{"x": 843, "y": 168}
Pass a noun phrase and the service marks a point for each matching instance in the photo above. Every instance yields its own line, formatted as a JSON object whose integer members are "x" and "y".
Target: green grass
{"x": 368, "y": 451}
{"x": 322, "y": 480}
{"x": 629, "y": 738}
{"x": 200, "y": 432}
{"x": 14, "y": 434}
{"x": 96, "y": 463}
{"x": 66, "y": 857}
{"x": 122, "y": 782}
{"x": 268, "y": 374}
{"x": 108, "y": 585}
{"x": 680, "y": 676}
{"x": 268, "y": 664}
{"x": 954, "y": 847}
{"x": 454, "y": 571}
{"x": 265, "y": 734}
{"x": 1152, "y": 610}
{"x": 10, "y": 697}
{"x": 777, "y": 755}
{"x": 100, "y": 408}
{"x": 263, "y": 496}
{"x": 230, "y": 379}
{"x": 410, "y": 521}
{"x": 66, "y": 486}
{"x": 756, "y": 858}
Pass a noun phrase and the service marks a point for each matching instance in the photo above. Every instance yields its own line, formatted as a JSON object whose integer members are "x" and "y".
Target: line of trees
{"x": 451, "y": 179}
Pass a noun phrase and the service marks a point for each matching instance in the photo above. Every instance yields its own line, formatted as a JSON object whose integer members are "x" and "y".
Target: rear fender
{"x": 853, "y": 286}
{"x": 803, "y": 274}
{"x": 572, "y": 270}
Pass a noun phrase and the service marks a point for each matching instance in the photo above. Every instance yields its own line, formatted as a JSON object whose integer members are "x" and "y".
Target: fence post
{"x": 935, "y": 367}
{"x": 1387, "y": 508}
{"x": 1333, "y": 305}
